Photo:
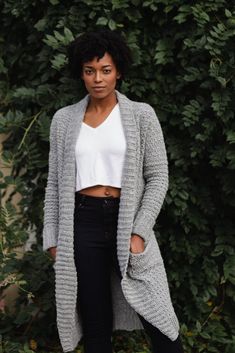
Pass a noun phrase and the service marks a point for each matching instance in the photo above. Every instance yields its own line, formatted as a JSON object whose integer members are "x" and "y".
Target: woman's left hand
{"x": 137, "y": 244}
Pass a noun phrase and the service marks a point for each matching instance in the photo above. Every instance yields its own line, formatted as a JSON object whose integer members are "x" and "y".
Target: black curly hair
{"x": 96, "y": 43}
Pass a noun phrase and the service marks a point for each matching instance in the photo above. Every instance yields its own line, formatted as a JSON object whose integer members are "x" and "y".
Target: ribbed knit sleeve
{"x": 155, "y": 171}
{"x": 51, "y": 200}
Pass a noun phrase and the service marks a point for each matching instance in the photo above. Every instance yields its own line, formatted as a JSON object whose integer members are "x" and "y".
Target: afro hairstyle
{"x": 96, "y": 43}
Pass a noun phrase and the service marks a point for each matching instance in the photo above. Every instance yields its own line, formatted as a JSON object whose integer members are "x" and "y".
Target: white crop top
{"x": 100, "y": 151}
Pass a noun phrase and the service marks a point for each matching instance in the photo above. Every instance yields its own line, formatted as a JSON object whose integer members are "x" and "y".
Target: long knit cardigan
{"x": 144, "y": 286}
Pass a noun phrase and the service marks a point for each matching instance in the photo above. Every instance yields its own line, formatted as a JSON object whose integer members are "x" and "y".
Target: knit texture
{"x": 144, "y": 183}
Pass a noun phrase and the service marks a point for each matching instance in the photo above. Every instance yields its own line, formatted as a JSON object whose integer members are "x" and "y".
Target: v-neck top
{"x": 100, "y": 151}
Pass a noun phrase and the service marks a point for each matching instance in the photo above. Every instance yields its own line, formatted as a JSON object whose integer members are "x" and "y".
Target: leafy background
{"x": 184, "y": 65}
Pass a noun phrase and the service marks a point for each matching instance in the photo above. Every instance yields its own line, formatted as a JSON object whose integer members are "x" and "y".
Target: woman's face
{"x": 100, "y": 76}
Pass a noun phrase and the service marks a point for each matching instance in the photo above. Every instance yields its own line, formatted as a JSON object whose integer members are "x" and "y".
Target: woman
{"x": 107, "y": 180}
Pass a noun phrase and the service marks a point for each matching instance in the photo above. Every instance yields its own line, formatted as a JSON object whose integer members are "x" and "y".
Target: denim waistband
{"x": 96, "y": 200}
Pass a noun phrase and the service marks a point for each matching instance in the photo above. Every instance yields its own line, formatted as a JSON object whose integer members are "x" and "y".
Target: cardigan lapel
{"x": 128, "y": 179}
{"x": 128, "y": 182}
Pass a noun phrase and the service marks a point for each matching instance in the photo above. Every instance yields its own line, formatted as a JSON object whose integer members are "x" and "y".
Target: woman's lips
{"x": 98, "y": 89}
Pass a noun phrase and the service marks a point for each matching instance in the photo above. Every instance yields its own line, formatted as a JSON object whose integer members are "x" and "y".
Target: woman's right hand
{"x": 52, "y": 252}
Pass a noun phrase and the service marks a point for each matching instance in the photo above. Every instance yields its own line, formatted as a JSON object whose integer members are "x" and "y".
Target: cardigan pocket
{"x": 141, "y": 263}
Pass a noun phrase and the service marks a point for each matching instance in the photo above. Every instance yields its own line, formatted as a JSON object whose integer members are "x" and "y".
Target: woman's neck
{"x": 102, "y": 104}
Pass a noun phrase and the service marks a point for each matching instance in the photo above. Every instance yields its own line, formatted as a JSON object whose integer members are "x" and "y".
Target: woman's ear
{"x": 118, "y": 75}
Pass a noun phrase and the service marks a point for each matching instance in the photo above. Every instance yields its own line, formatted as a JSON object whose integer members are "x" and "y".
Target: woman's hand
{"x": 137, "y": 244}
{"x": 52, "y": 252}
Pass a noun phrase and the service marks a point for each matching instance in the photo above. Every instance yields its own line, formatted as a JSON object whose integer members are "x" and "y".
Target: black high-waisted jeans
{"x": 95, "y": 230}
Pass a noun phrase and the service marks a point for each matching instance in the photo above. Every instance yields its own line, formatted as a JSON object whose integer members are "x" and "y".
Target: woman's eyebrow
{"x": 91, "y": 67}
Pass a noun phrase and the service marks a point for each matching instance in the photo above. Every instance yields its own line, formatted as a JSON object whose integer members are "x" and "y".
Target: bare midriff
{"x": 101, "y": 191}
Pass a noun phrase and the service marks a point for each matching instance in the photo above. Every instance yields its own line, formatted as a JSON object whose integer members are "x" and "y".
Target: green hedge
{"x": 184, "y": 53}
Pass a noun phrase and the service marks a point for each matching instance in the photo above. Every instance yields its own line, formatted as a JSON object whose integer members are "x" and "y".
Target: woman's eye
{"x": 107, "y": 71}
{"x": 88, "y": 72}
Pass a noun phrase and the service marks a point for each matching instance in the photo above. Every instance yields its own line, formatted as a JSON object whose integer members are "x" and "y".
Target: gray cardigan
{"x": 144, "y": 286}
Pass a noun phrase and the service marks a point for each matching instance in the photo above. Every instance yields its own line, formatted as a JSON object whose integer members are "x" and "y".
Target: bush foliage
{"x": 184, "y": 54}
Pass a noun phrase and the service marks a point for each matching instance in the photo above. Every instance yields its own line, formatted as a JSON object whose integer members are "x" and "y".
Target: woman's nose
{"x": 98, "y": 77}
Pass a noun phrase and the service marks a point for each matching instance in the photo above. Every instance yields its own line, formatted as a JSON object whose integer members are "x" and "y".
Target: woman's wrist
{"x": 137, "y": 244}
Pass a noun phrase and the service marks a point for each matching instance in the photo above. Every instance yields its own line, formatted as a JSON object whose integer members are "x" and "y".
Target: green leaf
{"x": 41, "y": 25}
{"x": 68, "y": 35}
{"x": 231, "y": 137}
{"x": 229, "y": 269}
{"x": 102, "y": 21}
{"x": 54, "y": 2}
{"x": 59, "y": 61}
{"x": 112, "y": 24}
{"x": 3, "y": 68}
